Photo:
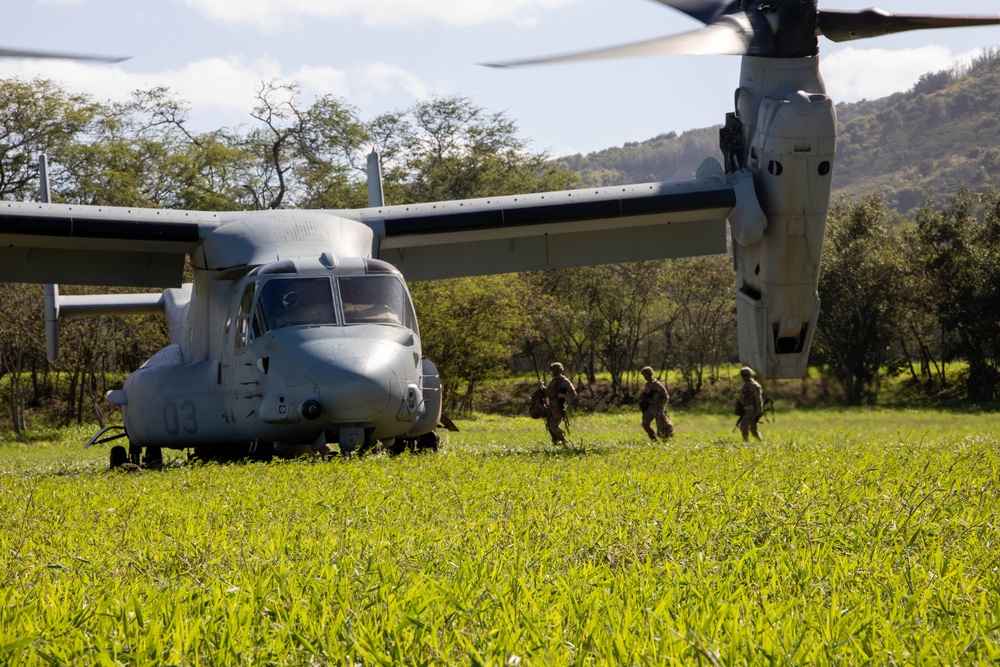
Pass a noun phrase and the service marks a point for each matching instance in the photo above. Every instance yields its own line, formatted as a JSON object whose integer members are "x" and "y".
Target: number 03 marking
{"x": 177, "y": 419}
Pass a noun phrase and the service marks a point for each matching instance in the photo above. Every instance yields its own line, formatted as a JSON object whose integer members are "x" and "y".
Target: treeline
{"x": 900, "y": 294}
{"x": 667, "y": 157}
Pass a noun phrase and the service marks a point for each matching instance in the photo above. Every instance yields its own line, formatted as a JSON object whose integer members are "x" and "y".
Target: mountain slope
{"x": 942, "y": 134}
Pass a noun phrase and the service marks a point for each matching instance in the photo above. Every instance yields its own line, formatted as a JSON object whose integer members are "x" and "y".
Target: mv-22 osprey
{"x": 298, "y": 330}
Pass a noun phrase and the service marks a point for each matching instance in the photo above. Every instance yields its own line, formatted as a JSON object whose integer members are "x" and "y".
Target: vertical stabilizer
{"x": 375, "y": 197}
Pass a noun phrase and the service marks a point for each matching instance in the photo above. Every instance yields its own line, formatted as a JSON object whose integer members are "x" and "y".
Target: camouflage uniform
{"x": 655, "y": 397}
{"x": 558, "y": 391}
{"x": 752, "y": 400}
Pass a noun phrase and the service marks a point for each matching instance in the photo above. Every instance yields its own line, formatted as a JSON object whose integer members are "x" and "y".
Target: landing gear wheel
{"x": 119, "y": 456}
{"x": 428, "y": 442}
{"x": 366, "y": 446}
{"x": 135, "y": 453}
{"x": 153, "y": 457}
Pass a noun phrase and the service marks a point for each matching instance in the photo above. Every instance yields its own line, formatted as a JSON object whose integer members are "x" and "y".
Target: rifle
{"x": 565, "y": 414}
{"x": 739, "y": 419}
{"x": 768, "y": 407}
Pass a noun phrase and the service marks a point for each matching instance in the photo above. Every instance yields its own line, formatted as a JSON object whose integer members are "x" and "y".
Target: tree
{"x": 22, "y": 328}
{"x": 922, "y": 339}
{"x": 962, "y": 247}
{"x": 473, "y": 326}
{"x": 599, "y": 317}
{"x": 620, "y": 296}
{"x": 700, "y": 326}
{"x": 330, "y": 148}
{"x": 36, "y": 116}
{"x": 449, "y": 148}
{"x": 563, "y": 325}
{"x": 861, "y": 289}
{"x": 205, "y": 169}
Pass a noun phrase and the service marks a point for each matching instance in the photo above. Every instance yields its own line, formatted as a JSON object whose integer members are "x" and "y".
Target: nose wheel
{"x": 134, "y": 455}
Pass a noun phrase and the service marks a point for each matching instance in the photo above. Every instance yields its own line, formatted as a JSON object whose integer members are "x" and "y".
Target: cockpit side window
{"x": 376, "y": 299}
{"x": 289, "y": 302}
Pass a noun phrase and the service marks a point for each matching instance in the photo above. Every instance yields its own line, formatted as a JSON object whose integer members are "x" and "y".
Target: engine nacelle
{"x": 790, "y": 140}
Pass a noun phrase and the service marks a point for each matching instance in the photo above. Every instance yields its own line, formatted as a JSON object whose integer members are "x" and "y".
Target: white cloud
{"x": 853, "y": 74}
{"x": 267, "y": 17}
{"x": 385, "y": 77}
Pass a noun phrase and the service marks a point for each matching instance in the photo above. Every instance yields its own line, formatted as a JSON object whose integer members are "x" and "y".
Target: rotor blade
{"x": 728, "y": 37}
{"x": 842, "y": 26}
{"x": 22, "y": 53}
{"x": 706, "y": 11}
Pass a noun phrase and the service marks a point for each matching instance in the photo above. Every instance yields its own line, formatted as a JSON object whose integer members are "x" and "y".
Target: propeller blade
{"x": 731, "y": 36}
{"x": 22, "y": 53}
{"x": 706, "y": 11}
{"x": 842, "y": 26}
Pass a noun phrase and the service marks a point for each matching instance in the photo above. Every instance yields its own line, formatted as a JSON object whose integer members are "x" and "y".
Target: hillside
{"x": 927, "y": 142}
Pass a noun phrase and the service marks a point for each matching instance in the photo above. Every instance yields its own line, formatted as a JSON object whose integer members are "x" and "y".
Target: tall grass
{"x": 846, "y": 537}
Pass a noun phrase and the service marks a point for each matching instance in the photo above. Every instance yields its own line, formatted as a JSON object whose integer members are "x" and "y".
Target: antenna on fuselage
{"x": 375, "y": 197}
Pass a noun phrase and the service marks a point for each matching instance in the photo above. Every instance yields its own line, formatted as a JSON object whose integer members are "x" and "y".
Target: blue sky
{"x": 381, "y": 55}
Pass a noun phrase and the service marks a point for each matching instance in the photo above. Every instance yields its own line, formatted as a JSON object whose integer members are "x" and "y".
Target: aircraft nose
{"x": 353, "y": 388}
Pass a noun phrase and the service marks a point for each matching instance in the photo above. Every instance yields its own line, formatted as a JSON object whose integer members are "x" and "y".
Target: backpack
{"x": 539, "y": 405}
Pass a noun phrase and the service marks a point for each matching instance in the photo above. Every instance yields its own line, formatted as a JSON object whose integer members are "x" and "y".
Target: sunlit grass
{"x": 846, "y": 537}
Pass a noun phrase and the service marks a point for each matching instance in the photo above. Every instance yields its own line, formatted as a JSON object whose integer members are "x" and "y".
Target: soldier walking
{"x": 558, "y": 392}
{"x": 751, "y": 401}
{"x": 653, "y": 401}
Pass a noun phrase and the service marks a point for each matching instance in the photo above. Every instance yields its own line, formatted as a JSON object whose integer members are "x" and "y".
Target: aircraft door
{"x": 244, "y": 376}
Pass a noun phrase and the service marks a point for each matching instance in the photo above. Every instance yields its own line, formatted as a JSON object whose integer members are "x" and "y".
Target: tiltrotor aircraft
{"x": 298, "y": 328}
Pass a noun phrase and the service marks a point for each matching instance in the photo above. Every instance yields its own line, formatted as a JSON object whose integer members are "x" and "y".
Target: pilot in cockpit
{"x": 291, "y": 298}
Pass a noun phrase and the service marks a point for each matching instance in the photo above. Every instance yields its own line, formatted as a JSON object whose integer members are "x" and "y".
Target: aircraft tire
{"x": 152, "y": 457}
{"x": 428, "y": 442}
{"x": 119, "y": 456}
{"x": 367, "y": 446}
{"x": 200, "y": 455}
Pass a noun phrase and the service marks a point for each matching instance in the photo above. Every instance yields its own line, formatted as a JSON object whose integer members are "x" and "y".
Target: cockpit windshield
{"x": 290, "y": 302}
{"x": 310, "y": 301}
{"x": 376, "y": 300}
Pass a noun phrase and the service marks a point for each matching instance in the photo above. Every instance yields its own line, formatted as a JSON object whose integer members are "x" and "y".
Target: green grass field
{"x": 847, "y": 537}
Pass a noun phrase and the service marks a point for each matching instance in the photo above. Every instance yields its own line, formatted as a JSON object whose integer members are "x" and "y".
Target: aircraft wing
{"x": 552, "y": 229}
{"x": 95, "y": 245}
